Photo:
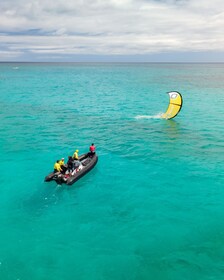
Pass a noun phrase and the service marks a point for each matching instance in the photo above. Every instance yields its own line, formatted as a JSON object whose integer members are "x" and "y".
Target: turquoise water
{"x": 152, "y": 208}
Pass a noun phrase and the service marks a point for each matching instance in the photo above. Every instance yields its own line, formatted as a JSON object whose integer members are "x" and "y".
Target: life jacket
{"x": 92, "y": 149}
{"x": 57, "y": 167}
{"x": 76, "y": 156}
{"x": 61, "y": 162}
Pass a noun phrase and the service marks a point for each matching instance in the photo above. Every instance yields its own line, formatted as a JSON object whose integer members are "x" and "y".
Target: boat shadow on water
{"x": 42, "y": 200}
{"x": 51, "y": 193}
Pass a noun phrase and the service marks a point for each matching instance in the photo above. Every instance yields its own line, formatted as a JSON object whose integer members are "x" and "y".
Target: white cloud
{"x": 124, "y": 27}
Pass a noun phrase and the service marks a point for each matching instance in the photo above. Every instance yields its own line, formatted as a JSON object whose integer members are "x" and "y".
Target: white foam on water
{"x": 157, "y": 116}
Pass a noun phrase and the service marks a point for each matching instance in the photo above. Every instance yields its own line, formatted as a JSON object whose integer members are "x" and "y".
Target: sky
{"x": 112, "y": 30}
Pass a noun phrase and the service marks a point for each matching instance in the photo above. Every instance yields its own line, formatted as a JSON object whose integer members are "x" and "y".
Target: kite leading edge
{"x": 174, "y": 106}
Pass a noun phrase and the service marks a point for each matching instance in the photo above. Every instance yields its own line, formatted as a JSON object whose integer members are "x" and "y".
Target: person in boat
{"x": 62, "y": 165}
{"x": 92, "y": 149}
{"x": 57, "y": 167}
{"x": 76, "y": 155}
{"x": 70, "y": 164}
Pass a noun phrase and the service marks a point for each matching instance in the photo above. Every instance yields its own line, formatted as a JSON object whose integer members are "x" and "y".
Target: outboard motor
{"x": 60, "y": 180}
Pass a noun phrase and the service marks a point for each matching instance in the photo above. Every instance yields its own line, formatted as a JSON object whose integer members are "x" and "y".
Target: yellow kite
{"x": 174, "y": 106}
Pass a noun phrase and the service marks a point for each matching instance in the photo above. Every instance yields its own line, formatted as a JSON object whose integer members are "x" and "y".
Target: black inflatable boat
{"x": 88, "y": 161}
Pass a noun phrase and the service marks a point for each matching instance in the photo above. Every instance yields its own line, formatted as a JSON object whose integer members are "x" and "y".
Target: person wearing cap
{"x": 57, "y": 167}
{"x": 62, "y": 164}
{"x": 62, "y": 161}
{"x": 76, "y": 155}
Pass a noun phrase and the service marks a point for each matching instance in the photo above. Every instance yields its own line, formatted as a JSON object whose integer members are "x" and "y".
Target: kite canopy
{"x": 174, "y": 105}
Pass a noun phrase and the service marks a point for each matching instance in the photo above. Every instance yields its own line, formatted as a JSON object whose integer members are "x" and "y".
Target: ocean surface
{"x": 152, "y": 208}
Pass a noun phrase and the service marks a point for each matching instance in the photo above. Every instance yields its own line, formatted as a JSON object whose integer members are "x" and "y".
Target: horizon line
{"x": 121, "y": 62}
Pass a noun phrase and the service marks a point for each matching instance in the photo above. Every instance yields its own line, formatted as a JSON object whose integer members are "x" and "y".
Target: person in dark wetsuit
{"x": 70, "y": 164}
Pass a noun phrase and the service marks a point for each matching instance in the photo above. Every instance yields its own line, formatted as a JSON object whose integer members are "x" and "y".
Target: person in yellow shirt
{"x": 76, "y": 155}
{"x": 62, "y": 161}
{"x": 57, "y": 167}
{"x": 62, "y": 165}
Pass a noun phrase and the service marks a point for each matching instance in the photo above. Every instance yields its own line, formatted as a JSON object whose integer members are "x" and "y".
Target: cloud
{"x": 113, "y": 27}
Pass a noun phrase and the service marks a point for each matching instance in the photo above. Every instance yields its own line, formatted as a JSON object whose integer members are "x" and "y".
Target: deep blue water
{"x": 152, "y": 208}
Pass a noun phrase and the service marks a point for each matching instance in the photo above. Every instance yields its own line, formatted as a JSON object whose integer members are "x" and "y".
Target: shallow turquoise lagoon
{"x": 152, "y": 208}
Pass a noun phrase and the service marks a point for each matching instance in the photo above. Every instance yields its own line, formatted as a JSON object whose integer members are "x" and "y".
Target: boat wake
{"x": 158, "y": 116}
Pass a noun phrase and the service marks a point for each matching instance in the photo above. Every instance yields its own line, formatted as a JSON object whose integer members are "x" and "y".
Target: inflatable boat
{"x": 88, "y": 161}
